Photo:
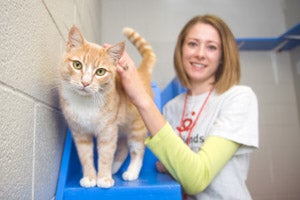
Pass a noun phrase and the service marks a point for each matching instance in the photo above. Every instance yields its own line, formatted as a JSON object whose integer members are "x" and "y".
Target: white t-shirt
{"x": 232, "y": 115}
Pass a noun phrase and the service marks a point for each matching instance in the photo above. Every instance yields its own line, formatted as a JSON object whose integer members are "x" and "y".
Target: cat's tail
{"x": 144, "y": 48}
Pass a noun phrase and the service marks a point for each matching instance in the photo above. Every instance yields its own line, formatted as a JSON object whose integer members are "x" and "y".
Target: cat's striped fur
{"x": 95, "y": 105}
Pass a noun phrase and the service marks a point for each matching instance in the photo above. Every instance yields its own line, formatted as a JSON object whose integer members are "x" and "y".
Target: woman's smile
{"x": 197, "y": 66}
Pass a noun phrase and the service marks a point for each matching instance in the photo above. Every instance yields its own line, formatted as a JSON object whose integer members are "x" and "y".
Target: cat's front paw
{"x": 105, "y": 182}
{"x": 129, "y": 176}
{"x": 87, "y": 182}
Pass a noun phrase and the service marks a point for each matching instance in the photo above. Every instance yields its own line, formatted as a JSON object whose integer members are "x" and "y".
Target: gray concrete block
{"x": 50, "y": 132}
{"x": 16, "y": 145}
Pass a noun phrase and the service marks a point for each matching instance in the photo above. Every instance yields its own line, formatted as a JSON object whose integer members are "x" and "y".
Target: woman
{"x": 206, "y": 134}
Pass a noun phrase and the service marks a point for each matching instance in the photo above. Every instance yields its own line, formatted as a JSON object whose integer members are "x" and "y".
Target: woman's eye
{"x": 192, "y": 44}
{"x": 212, "y": 47}
{"x": 100, "y": 72}
{"x": 77, "y": 65}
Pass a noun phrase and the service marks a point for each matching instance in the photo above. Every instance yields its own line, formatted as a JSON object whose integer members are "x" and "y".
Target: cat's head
{"x": 88, "y": 68}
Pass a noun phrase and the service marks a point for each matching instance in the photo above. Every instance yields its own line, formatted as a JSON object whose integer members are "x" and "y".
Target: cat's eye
{"x": 77, "y": 65}
{"x": 100, "y": 72}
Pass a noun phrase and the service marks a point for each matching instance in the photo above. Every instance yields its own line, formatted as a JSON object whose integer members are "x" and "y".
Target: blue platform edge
{"x": 151, "y": 185}
{"x": 284, "y": 42}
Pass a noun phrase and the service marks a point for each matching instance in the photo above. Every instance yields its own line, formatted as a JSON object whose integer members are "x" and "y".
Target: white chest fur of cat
{"x": 95, "y": 106}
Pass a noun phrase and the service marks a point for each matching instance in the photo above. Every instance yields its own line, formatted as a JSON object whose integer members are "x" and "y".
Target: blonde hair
{"x": 228, "y": 72}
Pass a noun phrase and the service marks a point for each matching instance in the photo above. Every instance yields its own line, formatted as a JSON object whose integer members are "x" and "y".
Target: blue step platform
{"x": 150, "y": 185}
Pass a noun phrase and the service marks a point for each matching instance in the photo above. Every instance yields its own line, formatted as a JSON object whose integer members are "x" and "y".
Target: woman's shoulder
{"x": 239, "y": 90}
{"x": 238, "y": 95}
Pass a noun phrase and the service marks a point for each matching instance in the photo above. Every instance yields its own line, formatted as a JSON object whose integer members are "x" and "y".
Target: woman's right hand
{"x": 138, "y": 95}
{"x": 131, "y": 81}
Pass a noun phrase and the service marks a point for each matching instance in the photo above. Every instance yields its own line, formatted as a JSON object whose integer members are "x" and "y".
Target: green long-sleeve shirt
{"x": 194, "y": 171}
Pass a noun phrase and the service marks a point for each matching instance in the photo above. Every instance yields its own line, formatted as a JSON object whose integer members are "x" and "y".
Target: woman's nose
{"x": 201, "y": 51}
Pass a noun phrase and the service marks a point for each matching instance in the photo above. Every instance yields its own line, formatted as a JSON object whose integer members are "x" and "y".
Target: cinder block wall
{"x": 32, "y": 128}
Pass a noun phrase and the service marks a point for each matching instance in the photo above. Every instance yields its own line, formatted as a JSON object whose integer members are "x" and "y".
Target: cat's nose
{"x": 85, "y": 83}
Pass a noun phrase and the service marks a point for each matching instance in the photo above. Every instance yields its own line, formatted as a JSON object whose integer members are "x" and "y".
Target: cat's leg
{"x": 106, "y": 146}
{"x": 137, "y": 150}
{"x": 85, "y": 146}
{"x": 120, "y": 155}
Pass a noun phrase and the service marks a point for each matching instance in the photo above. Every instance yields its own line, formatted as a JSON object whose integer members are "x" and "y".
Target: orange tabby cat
{"x": 95, "y": 105}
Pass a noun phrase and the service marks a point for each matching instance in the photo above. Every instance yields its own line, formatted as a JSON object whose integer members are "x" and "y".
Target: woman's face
{"x": 201, "y": 53}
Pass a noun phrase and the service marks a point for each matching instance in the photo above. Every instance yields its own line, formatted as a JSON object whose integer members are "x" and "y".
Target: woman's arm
{"x": 194, "y": 171}
{"x": 151, "y": 115}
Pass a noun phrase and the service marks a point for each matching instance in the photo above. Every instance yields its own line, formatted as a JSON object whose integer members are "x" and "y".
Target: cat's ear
{"x": 75, "y": 39}
{"x": 116, "y": 51}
